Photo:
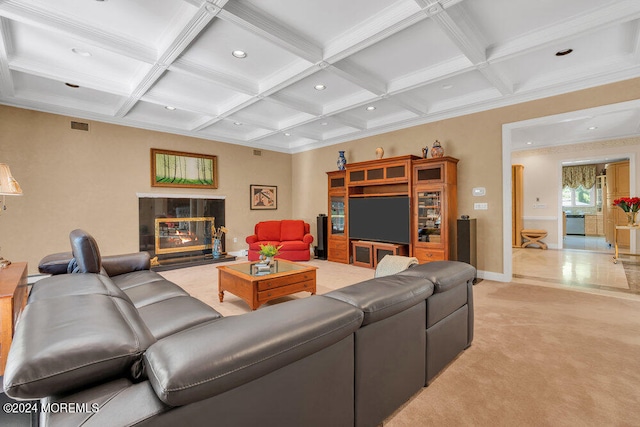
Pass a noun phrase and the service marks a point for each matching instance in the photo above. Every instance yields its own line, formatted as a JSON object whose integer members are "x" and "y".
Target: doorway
{"x": 550, "y": 211}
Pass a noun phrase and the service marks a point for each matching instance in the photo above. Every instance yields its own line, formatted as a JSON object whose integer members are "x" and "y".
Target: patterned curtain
{"x": 575, "y": 176}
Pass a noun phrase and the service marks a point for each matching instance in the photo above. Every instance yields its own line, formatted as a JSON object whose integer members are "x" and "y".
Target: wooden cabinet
{"x": 369, "y": 254}
{"x": 426, "y": 188}
{"x": 593, "y": 225}
{"x": 435, "y": 209}
{"x": 590, "y": 225}
{"x": 384, "y": 177}
{"x": 617, "y": 185}
{"x": 337, "y": 221}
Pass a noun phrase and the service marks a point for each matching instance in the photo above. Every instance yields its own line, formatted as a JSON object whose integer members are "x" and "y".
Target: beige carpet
{"x": 540, "y": 357}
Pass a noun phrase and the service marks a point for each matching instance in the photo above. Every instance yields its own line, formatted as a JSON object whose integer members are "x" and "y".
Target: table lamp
{"x": 8, "y": 187}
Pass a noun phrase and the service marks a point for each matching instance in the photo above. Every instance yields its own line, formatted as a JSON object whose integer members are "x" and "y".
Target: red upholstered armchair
{"x": 292, "y": 234}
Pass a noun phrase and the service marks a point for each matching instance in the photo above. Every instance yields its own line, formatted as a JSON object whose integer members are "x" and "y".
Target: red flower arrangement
{"x": 628, "y": 204}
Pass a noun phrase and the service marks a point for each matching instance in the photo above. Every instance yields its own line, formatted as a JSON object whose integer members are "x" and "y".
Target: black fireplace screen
{"x": 176, "y": 226}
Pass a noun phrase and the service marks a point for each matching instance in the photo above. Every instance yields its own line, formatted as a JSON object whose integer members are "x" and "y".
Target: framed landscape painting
{"x": 264, "y": 196}
{"x": 183, "y": 170}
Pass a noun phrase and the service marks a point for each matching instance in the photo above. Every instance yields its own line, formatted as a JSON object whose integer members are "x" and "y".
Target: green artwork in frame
{"x": 183, "y": 170}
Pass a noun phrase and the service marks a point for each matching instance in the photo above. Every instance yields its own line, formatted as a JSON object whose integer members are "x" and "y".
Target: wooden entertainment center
{"x": 429, "y": 184}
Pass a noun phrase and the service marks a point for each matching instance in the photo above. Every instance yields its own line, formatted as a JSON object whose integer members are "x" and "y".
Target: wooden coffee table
{"x": 283, "y": 278}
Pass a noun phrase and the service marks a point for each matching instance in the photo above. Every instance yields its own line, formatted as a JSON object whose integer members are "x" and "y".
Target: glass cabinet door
{"x": 429, "y": 216}
{"x": 337, "y": 215}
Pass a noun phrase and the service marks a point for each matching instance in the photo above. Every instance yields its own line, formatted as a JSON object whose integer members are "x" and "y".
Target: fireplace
{"x": 177, "y": 230}
{"x": 176, "y": 235}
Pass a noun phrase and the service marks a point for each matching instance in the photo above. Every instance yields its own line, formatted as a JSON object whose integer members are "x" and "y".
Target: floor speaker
{"x": 321, "y": 249}
{"x": 466, "y": 241}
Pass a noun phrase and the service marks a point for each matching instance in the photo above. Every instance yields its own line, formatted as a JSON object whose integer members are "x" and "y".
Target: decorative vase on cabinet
{"x": 342, "y": 161}
{"x": 437, "y": 150}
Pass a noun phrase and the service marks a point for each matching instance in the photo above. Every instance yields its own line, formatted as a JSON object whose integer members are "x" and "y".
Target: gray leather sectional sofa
{"x": 114, "y": 344}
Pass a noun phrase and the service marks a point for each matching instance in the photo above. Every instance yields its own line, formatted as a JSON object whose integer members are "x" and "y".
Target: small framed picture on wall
{"x": 264, "y": 197}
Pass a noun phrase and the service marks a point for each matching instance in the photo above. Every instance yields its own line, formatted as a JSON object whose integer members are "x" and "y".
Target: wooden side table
{"x": 13, "y": 298}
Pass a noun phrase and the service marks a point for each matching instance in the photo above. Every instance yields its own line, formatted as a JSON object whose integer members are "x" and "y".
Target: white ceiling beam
{"x": 636, "y": 42}
{"x": 458, "y": 31}
{"x": 348, "y": 120}
{"x": 6, "y": 46}
{"x": 425, "y": 4}
{"x": 406, "y": 101}
{"x": 387, "y": 23}
{"x": 230, "y": 111}
{"x": 470, "y": 41}
{"x": 265, "y": 26}
{"x": 189, "y": 32}
{"x": 497, "y": 79}
{"x": 141, "y": 88}
{"x": 305, "y": 134}
{"x": 229, "y": 81}
{"x": 52, "y": 72}
{"x": 358, "y": 76}
{"x": 296, "y": 104}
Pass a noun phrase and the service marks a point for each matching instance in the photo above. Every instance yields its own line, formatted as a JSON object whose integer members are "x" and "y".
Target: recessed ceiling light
{"x": 324, "y": 124}
{"x": 593, "y": 128}
{"x": 237, "y": 123}
{"x": 72, "y": 85}
{"x": 239, "y": 54}
{"x": 170, "y": 108}
{"x": 564, "y": 52}
{"x": 80, "y": 52}
{"x": 447, "y": 86}
{"x": 287, "y": 134}
{"x": 529, "y": 142}
{"x": 371, "y": 108}
{"x": 319, "y": 87}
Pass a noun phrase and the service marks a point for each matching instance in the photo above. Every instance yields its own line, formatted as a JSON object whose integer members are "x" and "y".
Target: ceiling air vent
{"x": 257, "y": 152}
{"x": 80, "y": 126}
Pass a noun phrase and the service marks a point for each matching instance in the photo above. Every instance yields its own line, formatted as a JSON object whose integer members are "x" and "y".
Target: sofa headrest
{"x": 67, "y": 343}
{"x": 445, "y": 275}
{"x": 86, "y": 253}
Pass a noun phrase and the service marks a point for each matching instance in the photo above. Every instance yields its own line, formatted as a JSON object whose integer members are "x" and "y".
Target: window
{"x": 578, "y": 197}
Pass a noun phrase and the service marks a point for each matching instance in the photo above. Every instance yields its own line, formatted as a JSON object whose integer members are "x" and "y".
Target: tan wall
{"x": 475, "y": 139}
{"x": 73, "y": 179}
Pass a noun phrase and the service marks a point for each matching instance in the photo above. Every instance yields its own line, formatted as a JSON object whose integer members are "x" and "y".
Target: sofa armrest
{"x": 115, "y": 265}
{"x": 251, "y": 239}
{"x": 226, "y": 353}
{"x": 308, "y": 238}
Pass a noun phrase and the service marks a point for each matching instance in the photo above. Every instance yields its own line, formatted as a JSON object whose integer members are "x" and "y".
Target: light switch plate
{"x": 481, "y": 206}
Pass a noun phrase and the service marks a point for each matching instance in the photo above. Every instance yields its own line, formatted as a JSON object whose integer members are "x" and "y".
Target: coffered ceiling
{"x": 314, "y": 73}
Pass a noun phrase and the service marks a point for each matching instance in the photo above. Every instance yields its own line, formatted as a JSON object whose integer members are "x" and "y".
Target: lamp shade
{"x": 8, "y": 185}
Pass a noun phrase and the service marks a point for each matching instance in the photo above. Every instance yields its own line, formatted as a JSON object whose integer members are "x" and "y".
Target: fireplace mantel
{"x": 179, "y": 196}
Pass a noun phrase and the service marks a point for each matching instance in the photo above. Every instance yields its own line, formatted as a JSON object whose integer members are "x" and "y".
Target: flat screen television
{"x": 381, "y": 219}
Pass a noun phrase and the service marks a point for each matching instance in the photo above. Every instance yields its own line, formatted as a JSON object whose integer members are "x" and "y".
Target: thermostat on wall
{"x": 479, "y": 191}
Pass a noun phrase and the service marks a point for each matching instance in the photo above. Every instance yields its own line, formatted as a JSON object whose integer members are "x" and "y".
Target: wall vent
{"x": 80, "y": 126}
{"x": 257, "y": 152}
